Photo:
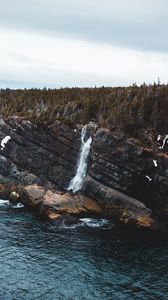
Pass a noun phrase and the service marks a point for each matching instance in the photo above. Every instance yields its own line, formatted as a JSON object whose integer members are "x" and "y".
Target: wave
{"x": 85, "y": 222}
{"x": 94, "y": 223}
{"x": 4, "y": 203}
{"x": 18, "y": 205}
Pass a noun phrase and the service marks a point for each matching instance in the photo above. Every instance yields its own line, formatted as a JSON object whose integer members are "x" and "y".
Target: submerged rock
{"x": 66, "y": 220}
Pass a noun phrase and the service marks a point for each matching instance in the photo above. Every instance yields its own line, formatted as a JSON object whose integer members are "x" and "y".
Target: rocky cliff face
{"x": 125, "y": 181}
{"x": 124, "y": 165}
{"x": 36, "y": 154}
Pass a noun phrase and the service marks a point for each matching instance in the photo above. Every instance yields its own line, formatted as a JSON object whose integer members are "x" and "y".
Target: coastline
{"x": 37, "y": 165}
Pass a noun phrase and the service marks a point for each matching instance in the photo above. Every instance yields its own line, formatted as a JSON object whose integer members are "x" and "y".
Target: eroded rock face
{"x": 126, "y": 181}
{"x": 122, "y": 164}
{"x": 118, "y": 205}
{"x": 36, "y": 154}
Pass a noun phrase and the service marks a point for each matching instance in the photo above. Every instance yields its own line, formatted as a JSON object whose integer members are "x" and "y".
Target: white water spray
{"x": 77, "y": 181}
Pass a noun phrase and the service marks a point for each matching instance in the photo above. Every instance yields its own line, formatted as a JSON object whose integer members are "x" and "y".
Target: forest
{"x": 129, "y": 108}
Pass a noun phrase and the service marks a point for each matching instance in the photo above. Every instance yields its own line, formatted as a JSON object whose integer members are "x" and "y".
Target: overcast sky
{"x": 56, "y": 43}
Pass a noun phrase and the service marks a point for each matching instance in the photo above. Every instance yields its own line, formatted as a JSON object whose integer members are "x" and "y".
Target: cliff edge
{"x": 125, "y": 181}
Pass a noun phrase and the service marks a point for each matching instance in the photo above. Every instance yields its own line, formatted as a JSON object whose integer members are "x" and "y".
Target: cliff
{"x": 126, "y": 181}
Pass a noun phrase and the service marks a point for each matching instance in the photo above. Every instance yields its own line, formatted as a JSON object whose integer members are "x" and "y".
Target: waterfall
{"x": 77, "y": 181}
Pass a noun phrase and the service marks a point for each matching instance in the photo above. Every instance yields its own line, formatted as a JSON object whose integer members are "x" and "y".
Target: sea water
{"x": 94, "y": 260}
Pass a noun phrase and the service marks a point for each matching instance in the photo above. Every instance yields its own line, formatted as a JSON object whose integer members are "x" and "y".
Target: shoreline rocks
{"x": 125, "y": 182}
{"x": 52, "y": 204}
{"x": 117, "y": 205}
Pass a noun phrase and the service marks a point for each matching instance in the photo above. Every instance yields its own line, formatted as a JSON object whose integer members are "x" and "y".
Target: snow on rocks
{"x": 149, "y": 178}
{"x": 4, "y": 142}
{"x": 155, "y": 163}
{"x": 164, "y": 142}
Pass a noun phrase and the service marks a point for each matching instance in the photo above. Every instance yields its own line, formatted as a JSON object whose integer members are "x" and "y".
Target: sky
{"x": 65, "y": 43}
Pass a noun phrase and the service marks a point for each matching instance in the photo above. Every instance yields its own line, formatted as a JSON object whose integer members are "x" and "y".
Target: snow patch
{"x": 149, "y": 178}
{"x": 5, "y": 141}
{"x": 164, "y": 142}
{"x": 159, "y": 138}
{"x": 155, "y": 163}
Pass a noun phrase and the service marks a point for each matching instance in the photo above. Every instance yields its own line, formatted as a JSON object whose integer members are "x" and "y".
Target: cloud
{"x": 128, "y": 23}
{"x": 82, "y": 42}
{"x": 27, "y": 57}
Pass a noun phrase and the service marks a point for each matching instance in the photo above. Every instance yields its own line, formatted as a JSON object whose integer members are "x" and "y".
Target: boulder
{"x": 117, "y": 205}
{"x": 52, "y": 203}
{"x": 32, "y": 195}
{"x": 68, "y": 203}
{"x": 62, "y": 203}
{"x": 14, "y": 196}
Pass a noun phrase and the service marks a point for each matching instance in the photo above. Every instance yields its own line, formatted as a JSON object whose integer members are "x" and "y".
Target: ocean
{"x": 94, "y": 260}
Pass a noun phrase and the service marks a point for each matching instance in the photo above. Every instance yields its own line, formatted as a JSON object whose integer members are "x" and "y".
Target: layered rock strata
{"x": 126, "y": 181}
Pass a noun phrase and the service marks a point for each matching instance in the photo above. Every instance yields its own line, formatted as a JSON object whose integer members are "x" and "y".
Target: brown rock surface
{"x": 32, "y": 195}
{"x": 69, "y": 204}
{"x": 52, "y": 203}
{"x": 118, "y": 205}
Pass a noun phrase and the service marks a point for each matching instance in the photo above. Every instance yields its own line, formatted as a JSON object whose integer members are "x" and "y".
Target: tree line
{"x": 129, "y": 108}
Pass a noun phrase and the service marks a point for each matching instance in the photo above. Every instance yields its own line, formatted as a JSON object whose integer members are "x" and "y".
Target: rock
{"x": 37, "y": 154}
{"x": 32, "y": 195}
{"x": 68, "y": 204}
{"x": 44, "y": 158}
{"x": 6, "y": 189}
{"x": 14, "y": 196}
{"x": 88, "y": 205}
{"x": 51, "y": 204}
{"x": 139, "y": 219}
{"x": 50, "y": 215}
{"x": 60, "y": 203}
{"x": 66, "y": 221}
{"x": 118, "y": 205}
{"x": 123, "y": 164}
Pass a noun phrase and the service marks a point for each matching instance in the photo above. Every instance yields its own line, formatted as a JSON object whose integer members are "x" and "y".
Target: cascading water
{"x": 77, "y": 181}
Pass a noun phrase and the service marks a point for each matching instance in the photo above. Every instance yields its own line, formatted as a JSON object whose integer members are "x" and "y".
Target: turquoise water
{"x": 92, "y": 261}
